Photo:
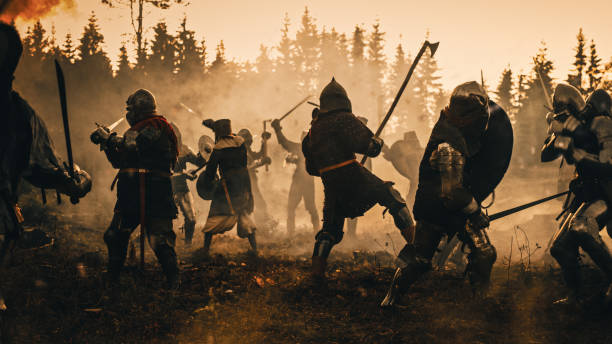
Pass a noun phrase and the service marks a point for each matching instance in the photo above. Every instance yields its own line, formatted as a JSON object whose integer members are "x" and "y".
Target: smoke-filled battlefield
{"x": 270, "y": 292}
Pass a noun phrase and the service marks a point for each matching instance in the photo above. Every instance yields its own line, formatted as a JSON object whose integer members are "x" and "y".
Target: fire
{"x": 10, "y": 10}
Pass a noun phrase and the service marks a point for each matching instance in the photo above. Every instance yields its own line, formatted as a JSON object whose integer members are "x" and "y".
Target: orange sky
{"x": 474, "y": 34}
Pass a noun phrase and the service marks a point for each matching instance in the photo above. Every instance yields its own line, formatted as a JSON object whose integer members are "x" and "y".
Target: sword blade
{"x": 114, "y": 125}
{"x": 511, "y": 211}
{"x": 61, "y": 85}
{"x": 293, "y": 108}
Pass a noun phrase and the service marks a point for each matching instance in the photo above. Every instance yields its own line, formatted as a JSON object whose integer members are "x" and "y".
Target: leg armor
{"x": 582, "y": 230}
{"x": 393, "y": 201}
{"x": 185, "y": 202}
{"x": 481, "y": 258}
{"x": 162, "y": 239}
{"x": 413, "y": 261}
{"x": 117, "y": 237}
{"x": 330, "y": 235}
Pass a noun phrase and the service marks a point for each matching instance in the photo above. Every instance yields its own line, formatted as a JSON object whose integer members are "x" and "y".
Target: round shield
{"x": 205, "y": 146}
{"x": 206, "y": 189}
{"x": 405, "y": 157}
{"x": 490, "y": 164}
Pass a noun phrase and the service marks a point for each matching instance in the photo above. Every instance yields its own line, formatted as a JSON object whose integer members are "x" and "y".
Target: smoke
{"x": 10, "y": 10}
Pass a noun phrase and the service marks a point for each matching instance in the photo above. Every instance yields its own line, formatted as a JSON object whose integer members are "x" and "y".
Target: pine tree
{"x": 307, "y": 52}
{"x": 68, "y": 49}
{"x": 400, "y": 66}
{"x": 263, "y": 63}
{"x": 38, "y": 44}
{"x": 124, "y": 69}
{"x": 189, "y": 54}
{"x": 376, "y": 57}
{"x": 427, "y": 85}
{"x": 54, "y": 51}
{"x": 594, "y": 70}
{"x": 579, "y": 63}
{"x": 220, "y": 60}
{"x": 358, "y": 46}
{"x": 285, "y": 45}
{"x": 504, "y": 91}
{"x": 161, "y": 60}
{"x": 92, "y": 58}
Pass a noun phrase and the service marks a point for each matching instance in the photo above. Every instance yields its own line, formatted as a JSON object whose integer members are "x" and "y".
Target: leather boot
{"x": 253, "y": 243}
{"x": 189, "y": 229}
{"x": 320, "y": 253}
{"x": 207, "y": 241}
{"x": 167, "y": 259}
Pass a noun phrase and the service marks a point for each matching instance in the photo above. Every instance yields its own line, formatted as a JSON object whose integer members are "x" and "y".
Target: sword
{"x": 549, "y": 104}
{"x": 112, "y": 126}
{"x": 432, "y": 50}
{"x": 188, "y": 109}
{"x": 511, "y": 211}
{"x": 313, "y": 104}
{"x": 295, "y": 107}
{"x": 61, "y": 85}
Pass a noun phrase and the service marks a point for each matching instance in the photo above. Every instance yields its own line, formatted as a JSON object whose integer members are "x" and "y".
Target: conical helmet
{"x": 334, "y": 97}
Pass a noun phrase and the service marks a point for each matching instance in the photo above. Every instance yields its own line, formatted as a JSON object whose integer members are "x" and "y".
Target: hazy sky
{"x": 473, "y": 34}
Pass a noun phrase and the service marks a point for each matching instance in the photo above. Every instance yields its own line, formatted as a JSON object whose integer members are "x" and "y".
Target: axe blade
{"x": 433, "y": 47}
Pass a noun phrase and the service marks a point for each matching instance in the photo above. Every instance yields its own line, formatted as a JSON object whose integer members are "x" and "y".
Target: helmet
{"x": 469, "y": 105}
{"x": 598, "y": 103}
{"x": 334, "y": 97}
{"x": 10, "y": 52}
{"x": 141, "y": 102}
{"x": 246, "y": 135}
{"x": 567, "y": 98}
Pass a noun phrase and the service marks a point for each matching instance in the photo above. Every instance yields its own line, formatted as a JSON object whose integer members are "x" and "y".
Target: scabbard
{"x": 142, "y": 178}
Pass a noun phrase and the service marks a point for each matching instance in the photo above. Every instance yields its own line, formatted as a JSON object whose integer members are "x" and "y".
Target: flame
{"x": 10, "y": 10}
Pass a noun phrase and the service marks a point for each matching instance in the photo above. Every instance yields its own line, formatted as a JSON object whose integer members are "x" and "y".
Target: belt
{"x": 336, "y": 166}
{"x": 145, "y": 171}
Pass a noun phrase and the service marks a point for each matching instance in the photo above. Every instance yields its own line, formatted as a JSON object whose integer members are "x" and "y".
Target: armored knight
{"x": 467, "y": 155}
{"x": 335, "y": 136}
{"x": 582, "y": 133}
{"x": 145, "y": 156}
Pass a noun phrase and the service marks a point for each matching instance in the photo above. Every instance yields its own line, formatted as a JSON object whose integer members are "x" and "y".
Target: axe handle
{"x": 398, "y": 95}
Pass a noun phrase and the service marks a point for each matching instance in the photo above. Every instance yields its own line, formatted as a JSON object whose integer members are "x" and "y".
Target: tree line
{"x": 177, "y": 65}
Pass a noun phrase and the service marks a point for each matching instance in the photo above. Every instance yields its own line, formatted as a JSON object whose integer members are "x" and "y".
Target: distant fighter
{"x": 254, "y": 161}
{"x": 145, "y": 156}
{"x": 26, "y": 151}
{"x": 404, "y": 155}
{"x": 182, "y": 195}
{"x": 302, "y": 184}
{"x": 350, "y": 189}
{"x": 467, "y": 156}
{"x": 582, "y": 134}
{"x": 230, "y": 188}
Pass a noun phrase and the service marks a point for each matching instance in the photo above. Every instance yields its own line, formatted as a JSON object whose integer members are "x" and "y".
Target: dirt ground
{"x": 57, "y": 294}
